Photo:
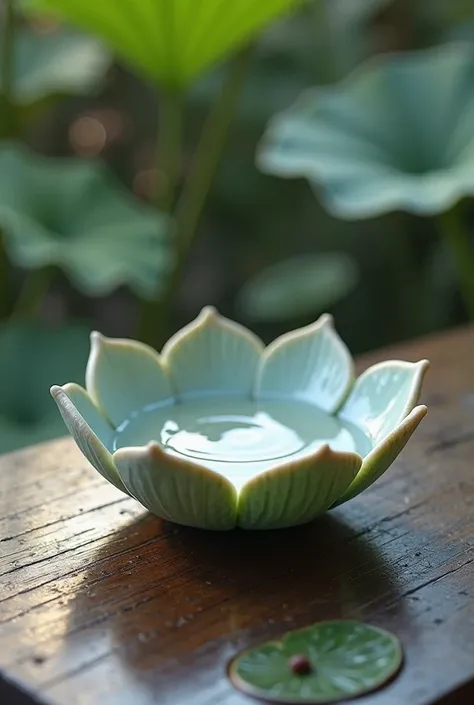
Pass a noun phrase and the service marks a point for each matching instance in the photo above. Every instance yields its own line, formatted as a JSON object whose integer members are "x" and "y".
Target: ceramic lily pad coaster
{"x": 324, "y": 663}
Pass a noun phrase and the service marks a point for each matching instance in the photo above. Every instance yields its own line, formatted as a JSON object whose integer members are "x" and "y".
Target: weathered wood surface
{"x": 101, "y": 603}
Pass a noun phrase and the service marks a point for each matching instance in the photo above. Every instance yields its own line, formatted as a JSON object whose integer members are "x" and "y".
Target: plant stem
{"x": 335, "y": 45}
{"x": 7, "y": 127}
{"x": 457, "y": 239}
{"x": 31, "y": 296}
{"x": 169, "y": 140}
{"x": 4, "y": 280}
{"x": 7, "y": 38}
{"x": 409, "y": 294}
{"x": 198, "y": 183}
{"x": 209, "y": 150}
{"x": 169, "y": 163}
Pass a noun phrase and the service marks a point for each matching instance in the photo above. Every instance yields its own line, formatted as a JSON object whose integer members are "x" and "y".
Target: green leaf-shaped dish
{"x": 395, "y": 135}
{"x": 73, "y": 214}
{"x": 323, "y": 663}
{"x": 219, "y": 431}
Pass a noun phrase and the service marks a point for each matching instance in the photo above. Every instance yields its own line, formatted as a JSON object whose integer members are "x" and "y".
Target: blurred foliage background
{"x": 93, "y": 138}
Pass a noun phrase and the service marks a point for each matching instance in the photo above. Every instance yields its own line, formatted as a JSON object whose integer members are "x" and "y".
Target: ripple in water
{"x": 240, "y": 438}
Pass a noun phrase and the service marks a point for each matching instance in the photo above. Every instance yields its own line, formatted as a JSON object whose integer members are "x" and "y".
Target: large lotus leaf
{"x": 299, "y": 286}
{"x": 56, "y": 62}
{"x": 397, "y": 134}
{"x": 32, "y": 358}
{"x": 74, "y": 215}
{"x": 172, "y": 41}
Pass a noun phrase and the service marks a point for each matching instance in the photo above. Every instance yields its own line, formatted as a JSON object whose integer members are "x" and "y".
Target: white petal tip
{"x": 156, "y": 452}
{"x": 208, "y": 312}
{"x": 153, "y": 447}
{"x": 326, "y": 452}
{"x": 96, "y": 338}
{"x": 326, "y": 320}
{"x": 55, "y": 390}
{"x": 422, "y": 368}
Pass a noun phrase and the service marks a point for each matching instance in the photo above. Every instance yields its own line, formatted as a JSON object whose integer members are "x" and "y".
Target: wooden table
{"x": 102, "y": 604}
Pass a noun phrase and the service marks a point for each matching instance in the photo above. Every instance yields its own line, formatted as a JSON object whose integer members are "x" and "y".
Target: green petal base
{"x": 323, "y": 663}
{"x": 219, "y": 431}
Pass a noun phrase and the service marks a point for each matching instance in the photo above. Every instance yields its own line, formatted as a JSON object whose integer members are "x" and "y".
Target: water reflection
{"x": 240, "y": 438}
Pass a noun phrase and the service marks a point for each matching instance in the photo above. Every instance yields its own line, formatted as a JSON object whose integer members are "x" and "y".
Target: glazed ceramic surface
{"x": 219, "y": 431}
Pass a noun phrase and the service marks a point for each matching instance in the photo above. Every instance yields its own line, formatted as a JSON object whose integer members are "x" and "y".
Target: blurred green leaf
{"x": 348, "y": 31}
{"x": 321, "y": 40}
{"x": 443, "y": 13}
{"x": 298, "y": 286}
{"x": 32, "y": 358}
{"x": 73, "y": 214}
{"x": 464, "y": 31}
{"x": 56, "y": 62}
{"x": 283, "y": 65}
{"x": 346, "y": 13}
{"x": 271, "y": 86}
{"x": 396, "y": 135}
{"x": 172, "y": 41}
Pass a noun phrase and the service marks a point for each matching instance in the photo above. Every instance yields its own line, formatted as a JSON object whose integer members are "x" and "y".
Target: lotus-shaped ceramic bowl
{"x": 219, "y": 431}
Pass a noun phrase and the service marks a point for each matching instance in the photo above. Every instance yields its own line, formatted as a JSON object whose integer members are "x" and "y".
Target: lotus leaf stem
{"x": 7, "y": 38}
{"x": 209, "y": 150}
{"x": 154, "y": 315}
{"x": 31, "y": 296}
{"x": 169, "y": 148}
{"x": 4, "y": 280}
{"x": 457, "y": 238}
{"x": 7, "y": 125}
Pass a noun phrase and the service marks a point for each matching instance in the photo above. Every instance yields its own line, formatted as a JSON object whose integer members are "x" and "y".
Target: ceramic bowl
{"x": 219, "y": 431}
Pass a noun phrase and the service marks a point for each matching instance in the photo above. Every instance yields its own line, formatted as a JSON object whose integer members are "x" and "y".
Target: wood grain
{"x": 101, "y": 603}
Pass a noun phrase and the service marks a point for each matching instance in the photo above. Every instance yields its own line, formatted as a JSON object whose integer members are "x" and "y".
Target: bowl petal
{"x": 88, "y": 428}
{"x": 212, "y": 355}
{"x": 311, "y": 364}
{"x": 124, "y": 376}
{"x": 176, "y": 489}
{"x": 383, "y": 395}
{"x": 383, "y": 455}
{"x": 297, "y": 492}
